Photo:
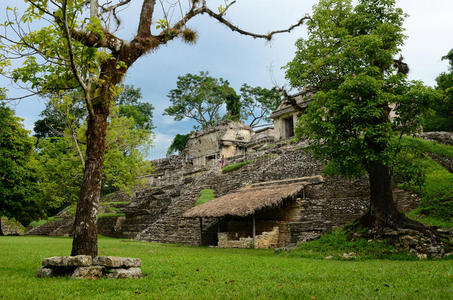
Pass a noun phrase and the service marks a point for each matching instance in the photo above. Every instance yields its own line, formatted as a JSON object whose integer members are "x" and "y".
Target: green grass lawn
{"x": 181, "y": 272}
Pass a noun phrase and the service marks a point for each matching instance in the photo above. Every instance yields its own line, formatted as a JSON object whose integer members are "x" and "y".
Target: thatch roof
{"x": 246, "y": 201}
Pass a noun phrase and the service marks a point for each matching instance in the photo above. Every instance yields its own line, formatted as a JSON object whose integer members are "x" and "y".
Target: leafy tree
{"x": 442, "y": 120}
{"x": 60, "y": 172}
{"x": 178, "y": 144}
{"x": 258, "y": 103}
{"x": 348, "y": 58}
{"x": 129, "y": 105}
{"x": 233, "y": 104}
{"x": 78, "y": 49}
{"x": 63, "y": 110}
{"x": 61, "y": 115}
{"x": 17, "y": 179}
{"x": 201, "y": 97}
{"x": 198, "y": 97}
{"x": 60, "y": 168}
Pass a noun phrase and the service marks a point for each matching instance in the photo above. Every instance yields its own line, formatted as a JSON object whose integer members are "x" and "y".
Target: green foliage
{"x": 130, "y": 106}
{"x": 348, "y": 59}
{"x": 233, "y": 104}
{"x": 178, "y": 144}
{"x": 258, "y": 103}
{"x": 427, "y": 146}
{"x": 428, "y": 220}
{"x": 435, "y": 184}
{"x": 185, "y": 272}
{"x": 201, "y": 97}
{"x": 236, "y": 166}
{"x": 60, "y": 173}
{"x": 337, "y": 243}
{"x": 206, "y": 195}
{"x": 126, "y": 149}
{"x": 437, "y": 201}
{"x": 111, "y": 214}
{"x": 442, "y": 118}
{"x": 408, "y": 169}
{"x": 198, "y": 97}
{"x": 18, "y": 185}
{"x": 63, "y": 110}
{"x": 58, "y": 162}
{"x": 44, "y": 221}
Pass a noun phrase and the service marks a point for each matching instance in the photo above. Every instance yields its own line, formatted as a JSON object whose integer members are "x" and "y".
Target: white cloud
{"x": 161, "y": 143}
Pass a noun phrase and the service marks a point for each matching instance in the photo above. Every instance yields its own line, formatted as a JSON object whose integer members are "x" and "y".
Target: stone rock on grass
{"x": 45, "y": 272}
{"x": 68, "y": 261}
{"x": 117, "y": 262}
{"x": 125, "y": 273}
{"x": 93, "y": 272}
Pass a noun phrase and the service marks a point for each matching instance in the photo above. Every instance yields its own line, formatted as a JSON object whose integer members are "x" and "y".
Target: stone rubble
{"x": 125, "y": 273}
{"x": 85, "y": 267}
{"x": 10, "y": 227}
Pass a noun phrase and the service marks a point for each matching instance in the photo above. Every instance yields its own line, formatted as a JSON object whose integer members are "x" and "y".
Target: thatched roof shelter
{"x": 246, "y": 201}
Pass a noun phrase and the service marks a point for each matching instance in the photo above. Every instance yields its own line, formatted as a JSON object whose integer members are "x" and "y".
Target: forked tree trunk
{"x": 85, "y": 224}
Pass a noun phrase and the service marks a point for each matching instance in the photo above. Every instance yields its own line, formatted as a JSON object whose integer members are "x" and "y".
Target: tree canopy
{"x": 198, "y": 97}
{"x": 258, "y": 103}
{"x": 349, "y": 60}
{"x": 442, "y": 118}
{"x": 178, "y": 144}
{"x": 204, "y": 98}
{"x": 17, "y": 179}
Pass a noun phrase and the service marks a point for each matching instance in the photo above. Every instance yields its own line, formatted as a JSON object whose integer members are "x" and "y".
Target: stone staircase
{"x": 53, "y": 228}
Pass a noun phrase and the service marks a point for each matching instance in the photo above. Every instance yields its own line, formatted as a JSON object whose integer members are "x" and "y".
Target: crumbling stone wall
{"x": 281, "y": 162}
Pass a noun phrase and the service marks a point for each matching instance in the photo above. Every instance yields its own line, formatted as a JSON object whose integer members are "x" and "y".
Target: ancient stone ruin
{"x": 159, "y": 210}
{"x": 10, "y": 227}
{"x": 86, "y": 267}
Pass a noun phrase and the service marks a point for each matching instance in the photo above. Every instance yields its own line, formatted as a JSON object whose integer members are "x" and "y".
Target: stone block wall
{"x": 268, "y": 239}
{"x": 225, "y": 241}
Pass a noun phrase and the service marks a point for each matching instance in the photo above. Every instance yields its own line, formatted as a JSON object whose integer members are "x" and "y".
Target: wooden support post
{"x": 201, "y": 231}
{"x": 254, "y": 230}
{"x": 218, "y": 231}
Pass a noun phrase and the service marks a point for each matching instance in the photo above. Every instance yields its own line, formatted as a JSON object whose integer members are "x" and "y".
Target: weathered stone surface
{"x": 117, "y": 262}
{"x": 93, "y": 272}
{"x": 439, "y": 136}
{"x": 68, "y": 261}
{"x": 45, "y": 272}
{"x": 125, "y": 273}
{"x": 10, "y": 227}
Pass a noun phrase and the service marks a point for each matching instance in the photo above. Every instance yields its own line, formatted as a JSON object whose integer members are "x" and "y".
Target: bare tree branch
{"x": 73, "y": 66}
{"x": 146, "y": 15}
{"x": 268, "y": 36}
{"x": 21, "y": 97}
{"x": 115, "y": 6}
{"x": 93, "y": 9}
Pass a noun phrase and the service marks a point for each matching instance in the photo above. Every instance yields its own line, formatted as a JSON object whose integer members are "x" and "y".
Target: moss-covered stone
{"x": 10, "y": 227}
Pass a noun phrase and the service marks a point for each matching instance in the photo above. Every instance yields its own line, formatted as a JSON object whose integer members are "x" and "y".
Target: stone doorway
{"x": 288, "y": 127}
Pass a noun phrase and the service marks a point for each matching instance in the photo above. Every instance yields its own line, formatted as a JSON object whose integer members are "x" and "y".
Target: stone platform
{"x": 86, "y": 267}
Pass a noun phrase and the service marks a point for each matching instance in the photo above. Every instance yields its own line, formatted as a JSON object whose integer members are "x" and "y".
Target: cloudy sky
{"x": 241, "y": 59}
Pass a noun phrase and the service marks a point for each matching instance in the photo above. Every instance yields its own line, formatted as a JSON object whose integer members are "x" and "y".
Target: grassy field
{"x": 181, "y": 272}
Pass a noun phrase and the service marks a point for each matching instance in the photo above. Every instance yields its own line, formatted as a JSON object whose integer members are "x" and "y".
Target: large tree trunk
{"x": 382, "y": 212}
{"x": 85, "y": 224}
